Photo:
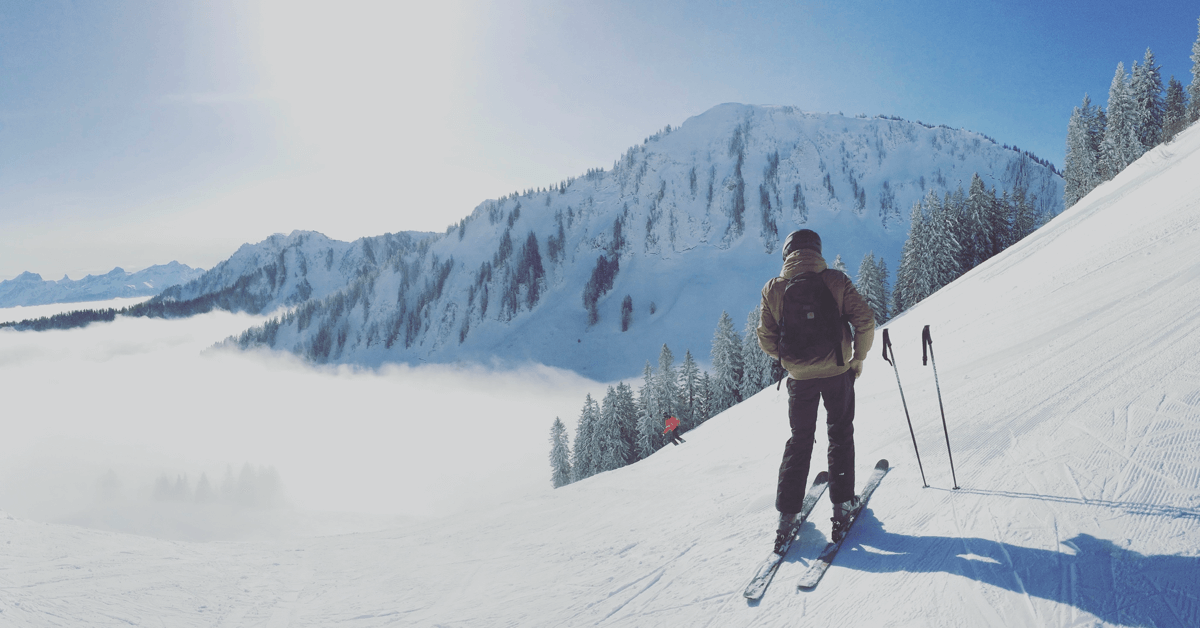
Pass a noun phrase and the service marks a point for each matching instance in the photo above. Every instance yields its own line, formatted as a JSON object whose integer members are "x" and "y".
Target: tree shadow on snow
{"x": 1116, "y": 585}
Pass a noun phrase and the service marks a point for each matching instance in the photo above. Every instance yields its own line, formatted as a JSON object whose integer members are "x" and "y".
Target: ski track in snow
{"x": 1070, "y": 375}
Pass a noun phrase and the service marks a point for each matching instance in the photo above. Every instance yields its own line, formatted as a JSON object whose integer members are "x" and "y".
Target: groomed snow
{"x": 1070, "y": 372}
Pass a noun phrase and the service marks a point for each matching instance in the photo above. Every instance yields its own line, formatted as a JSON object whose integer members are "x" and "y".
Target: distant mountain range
{"x": 30, "y": 289}
{"x": 685, "y": 225}
{"x": 594, "y": 274}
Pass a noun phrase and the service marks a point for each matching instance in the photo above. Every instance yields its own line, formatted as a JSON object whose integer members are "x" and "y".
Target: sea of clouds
{"x": 96, "y": 418}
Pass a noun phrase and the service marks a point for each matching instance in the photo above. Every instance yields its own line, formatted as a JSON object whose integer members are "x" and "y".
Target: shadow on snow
{"x": 1116, "y": 585}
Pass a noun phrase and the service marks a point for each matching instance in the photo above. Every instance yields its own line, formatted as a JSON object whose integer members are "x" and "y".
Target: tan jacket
{"x": 849, "y": 302}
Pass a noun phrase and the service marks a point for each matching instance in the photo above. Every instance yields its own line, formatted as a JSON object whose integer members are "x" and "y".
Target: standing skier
{"x": 671, "y": 423}
{"x": 805, "y": 312}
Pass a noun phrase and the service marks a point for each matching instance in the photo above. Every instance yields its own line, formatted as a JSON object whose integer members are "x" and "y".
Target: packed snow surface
{"x": 1070, "y": 373}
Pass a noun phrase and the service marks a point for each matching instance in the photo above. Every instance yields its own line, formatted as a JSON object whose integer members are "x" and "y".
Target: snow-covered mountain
{"x": 683, "y": 226}
{"x": 286, "y": 270}
{"x": 30, "y": 289}
{"x": 1069, "y": 367}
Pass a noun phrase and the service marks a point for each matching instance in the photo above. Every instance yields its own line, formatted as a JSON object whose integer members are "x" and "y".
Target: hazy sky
{"x": 134, "y": 133}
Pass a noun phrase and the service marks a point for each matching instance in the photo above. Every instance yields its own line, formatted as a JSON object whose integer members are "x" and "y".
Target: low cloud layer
{"x": 143, "y": 398}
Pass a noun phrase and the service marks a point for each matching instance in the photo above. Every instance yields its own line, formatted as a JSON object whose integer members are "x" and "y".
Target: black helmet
{"x": 802, "y": 239}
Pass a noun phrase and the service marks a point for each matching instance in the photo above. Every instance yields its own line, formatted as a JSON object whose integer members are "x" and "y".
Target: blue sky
{"x": 134, "y": 133}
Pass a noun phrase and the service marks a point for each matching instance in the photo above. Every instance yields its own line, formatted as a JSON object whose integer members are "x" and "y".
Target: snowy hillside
{"x": 29, "y": 289}
{"x": 287, "y": 270}
{"x": 685, "y": 225}
{"x": 1070, "y": 370}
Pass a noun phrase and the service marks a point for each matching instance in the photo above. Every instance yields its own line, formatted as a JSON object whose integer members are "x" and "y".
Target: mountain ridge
{"x": 688, "y": 224}
{"x": 29, "y": 288}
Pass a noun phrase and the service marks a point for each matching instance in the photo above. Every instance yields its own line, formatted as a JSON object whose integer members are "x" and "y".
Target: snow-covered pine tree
{"x": 754, "y": 370}
{"x": 666, "y": 384}
{"x": 944, "y": 251}
{"x": 689, "y": 392}
{"x": 1121, "y": 144}
{"x": 838, "y": 264}
{"x": 1024, "y": 220}
{"x": 560, "y": 455}
{"x": 704, "y": 407}
{"x": 727, "y": 365}
{"x": 885, "y": 288}
{"x": 915, "y": 279}
{"x": 1146, "y": 89}
{"x": 204, "y": 490}
{"x": 611, "y": 449}
{"x": 872, "y": 285}
{"x": 906, "y": 272}
{"x": 975, "y": 235}
{"x": 627, "y": 414}
{"x": 1174, "y": 110}
{"x": 583, "y": 463}
{"x": 648, "y": 415}
{"x": 1001, "y": 227}
{"x": 1193, "y": 110}
{"x": 1076, "y": 169}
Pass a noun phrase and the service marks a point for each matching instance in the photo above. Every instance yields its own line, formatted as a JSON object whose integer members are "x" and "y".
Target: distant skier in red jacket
{"x": 671, "y": 424}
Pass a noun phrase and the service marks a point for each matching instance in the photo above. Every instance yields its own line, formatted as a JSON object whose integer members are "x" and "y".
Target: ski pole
{"x": 887, "y": 345}
{"x": 927, "y": 344}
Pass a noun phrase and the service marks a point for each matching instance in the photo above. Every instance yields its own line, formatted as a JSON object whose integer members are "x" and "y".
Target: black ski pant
{"x": 803, "y": 396}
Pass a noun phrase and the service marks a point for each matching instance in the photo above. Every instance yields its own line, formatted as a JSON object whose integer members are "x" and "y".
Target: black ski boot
{"x": 842, "y": 514}
{"x": 787, "y": 530}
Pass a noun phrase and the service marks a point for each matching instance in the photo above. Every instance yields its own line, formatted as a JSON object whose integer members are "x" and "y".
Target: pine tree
{"x": 906, "y": 273}
{"x": 627, "y": 414}
{"x": 204, "y": 490}
{"x": 943, "y": 250}
{"x": 1174, "y": 110}
{"x": 689, "y": 392}
{"x": 1121, "y": 144}
{"x": 583, "y": 465}
{"x": 1024, "y": 220}
{"x": 870, "y": 286}
{"x": 975, "y": 236}
{"x": 1000, "y": 227}
{"x": 648, "y": 416}
{"x": 705, "y": 406}
{"x": 1146, "y": 89}
{"x": 1193, "y": 110}
{"x": 759, "y": 368}
{"x": 727, "y": 365}
{"x": 560, "y": 455}
{"x": 885, "y": 289}
{"x": 1095, "y": 122}
{"x": 611, "y": 449}
{"x": 1079, "y": 164}
{"x": 666, "y": 383}
{"x": 750, "y": 365}
{"x": 839, "y": 264}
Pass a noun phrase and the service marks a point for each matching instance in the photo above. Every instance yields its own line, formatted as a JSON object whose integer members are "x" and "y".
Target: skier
{"x": 825, "y": 372}
{"x": 672, "y": 423}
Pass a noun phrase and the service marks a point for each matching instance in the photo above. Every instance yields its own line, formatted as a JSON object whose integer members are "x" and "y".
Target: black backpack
{"x": 812, "y": 325}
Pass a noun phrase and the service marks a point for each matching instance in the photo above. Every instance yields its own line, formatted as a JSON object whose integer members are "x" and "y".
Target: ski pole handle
{"x": 887, "y": 344}
{"x": 926, "y": 343}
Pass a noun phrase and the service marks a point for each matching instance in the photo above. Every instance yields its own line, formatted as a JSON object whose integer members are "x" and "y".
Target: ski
{"x": 817, "y": 568}
{"x": 766, "y": 571}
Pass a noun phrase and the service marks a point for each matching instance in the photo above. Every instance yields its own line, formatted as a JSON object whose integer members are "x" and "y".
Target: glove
{"x": 856, "y": 366}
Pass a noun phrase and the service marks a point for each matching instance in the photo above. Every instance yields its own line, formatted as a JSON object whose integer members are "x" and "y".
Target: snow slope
{"x": 29, "y": 289}
{"x": 695, "y": 216}
{"x": 1070, "y": 371}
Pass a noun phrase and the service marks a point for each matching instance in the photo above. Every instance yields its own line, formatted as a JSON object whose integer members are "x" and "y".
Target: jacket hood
{"x": 802, "y": 261}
